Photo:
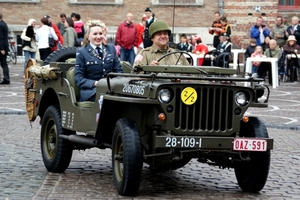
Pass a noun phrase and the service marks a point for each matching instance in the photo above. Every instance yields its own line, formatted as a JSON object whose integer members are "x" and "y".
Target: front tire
{"x": 126, "y": 157}
{"x": 56, "y": 152}
{"x": 252, "y": 175}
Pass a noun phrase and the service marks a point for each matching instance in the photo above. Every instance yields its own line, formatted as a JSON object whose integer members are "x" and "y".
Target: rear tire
{"x": 252, "y": 175}
{"x": 61, "y": 55}
{"x": 56, "y": 152}
{"x": 126, "y": 157}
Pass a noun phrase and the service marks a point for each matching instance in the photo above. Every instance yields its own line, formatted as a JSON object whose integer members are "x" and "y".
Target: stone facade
{"x": 187, "y": 19}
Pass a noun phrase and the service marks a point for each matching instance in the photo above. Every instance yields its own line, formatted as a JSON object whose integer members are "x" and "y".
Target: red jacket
{"x": 127, "y": 35}
{"x": 140, "y": 28}
{"x": 60, "y": 37}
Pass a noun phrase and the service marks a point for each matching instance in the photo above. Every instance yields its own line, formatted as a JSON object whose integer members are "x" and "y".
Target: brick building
{"x": 190, "y": 16}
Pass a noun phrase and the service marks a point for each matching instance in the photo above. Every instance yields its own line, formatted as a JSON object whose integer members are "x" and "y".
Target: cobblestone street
{"x": 89, "y": 176}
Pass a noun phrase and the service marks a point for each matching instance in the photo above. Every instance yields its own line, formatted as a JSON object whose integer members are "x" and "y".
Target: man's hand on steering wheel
{"x": 176, "y": 52}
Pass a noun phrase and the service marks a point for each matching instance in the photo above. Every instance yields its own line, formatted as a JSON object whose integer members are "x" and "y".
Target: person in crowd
{"x": 141, "y": 29}
{"x": 294, "y": 29}
{"x": 150, "y": 19}
{"x": 189, "y": 39}
{"x": 201, "y": 48}
{"x": 267, "y": 42}
{"x": 288, "y": 49}
{"x": 29, "y": 42}
{"x": 159, "y": 33}
{"x": 78, "y": 26}
{"x": 272, "y": 52}
{"x": 259, "y": 31}
{"x": 285, "y": 21}
{"x": 127, "y": 37}
{"x": 183, "y": 45}
{"x": 223, "y": 49}
{"x": 258, "y": 53}
{"x": 94, "y": 61}
{"x": 278, "y": 32}
{"x": 60, "y": 42}
{"x": 193, "y": 43}
{"x": 41, "y": 37}
{"x": 72, "y": 15}
{"x": 61, "y": 24}
{"x": 216, "y": 29}
{"x": 251, "y": 48}
{"x": 4, "y": 50}
{"x": 226, "y": 27}
{"x": 70, "y": 35}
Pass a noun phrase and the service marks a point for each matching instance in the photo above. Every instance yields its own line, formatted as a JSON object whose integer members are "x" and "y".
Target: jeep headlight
{"x": 164, "y": 96}
{"x": 241, "y": 98}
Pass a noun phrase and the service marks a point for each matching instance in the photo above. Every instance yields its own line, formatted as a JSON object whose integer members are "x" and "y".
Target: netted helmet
{"x": 158, "y": 26}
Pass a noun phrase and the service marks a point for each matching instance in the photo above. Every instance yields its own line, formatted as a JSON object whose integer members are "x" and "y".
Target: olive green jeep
{"x": 163, "y": 117}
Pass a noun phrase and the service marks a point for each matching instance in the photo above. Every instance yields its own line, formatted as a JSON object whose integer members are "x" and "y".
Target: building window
{"x": 178, "y": 2}
{"x": 100, "y": 2}
{"x": 288, "y": 4}
{"x": 20, "y": 1}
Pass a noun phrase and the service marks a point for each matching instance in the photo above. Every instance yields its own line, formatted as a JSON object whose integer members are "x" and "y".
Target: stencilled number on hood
{"x": 133, "y": 89}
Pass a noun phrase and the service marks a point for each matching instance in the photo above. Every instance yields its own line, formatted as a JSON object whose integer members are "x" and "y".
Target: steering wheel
{"x": 177, "y": 52}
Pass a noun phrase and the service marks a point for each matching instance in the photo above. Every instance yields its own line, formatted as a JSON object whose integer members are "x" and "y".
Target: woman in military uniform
{"x": 94, "y": 61}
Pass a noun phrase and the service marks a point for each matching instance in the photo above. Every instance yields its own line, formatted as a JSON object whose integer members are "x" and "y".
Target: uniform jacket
{"x": 146, "y": 56}
{"x": 254, "y": 33}
{"x": 3, "y": 36}
{"x": 127, "y": 35}
{"x": 224, "y": 47}
{"x": 147, "y": 41}
{"x": 184, "y": 47}
{"x": 90, "y": 67}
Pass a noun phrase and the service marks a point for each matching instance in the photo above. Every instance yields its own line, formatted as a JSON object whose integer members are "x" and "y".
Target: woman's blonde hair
{"x": 89, "y": 24}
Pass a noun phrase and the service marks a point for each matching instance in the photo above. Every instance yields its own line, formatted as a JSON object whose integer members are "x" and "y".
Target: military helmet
{"x": 158, "y": 26}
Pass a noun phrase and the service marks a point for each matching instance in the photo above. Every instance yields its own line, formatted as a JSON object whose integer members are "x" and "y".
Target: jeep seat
{"x": 75, "y": 90}
{"x": 126, "y": 66}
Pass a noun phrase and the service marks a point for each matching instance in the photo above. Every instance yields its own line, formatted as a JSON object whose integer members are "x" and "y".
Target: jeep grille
{"x": 213, "y": 110}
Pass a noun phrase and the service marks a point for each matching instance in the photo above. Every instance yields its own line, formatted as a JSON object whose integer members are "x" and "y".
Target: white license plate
{"x": 183, "y": 142}
{"x": 243, "y": 144}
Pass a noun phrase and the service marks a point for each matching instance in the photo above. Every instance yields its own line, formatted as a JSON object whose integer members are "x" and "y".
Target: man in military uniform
{"x": 159, "y": 33}
{"x": 223, "y": 52}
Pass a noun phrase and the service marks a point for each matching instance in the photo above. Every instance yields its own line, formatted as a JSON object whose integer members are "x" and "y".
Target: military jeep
{"x": 163, "y": 117}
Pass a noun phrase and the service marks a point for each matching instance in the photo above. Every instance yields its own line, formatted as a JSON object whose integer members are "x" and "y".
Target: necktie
{"x": 99, "y": 52}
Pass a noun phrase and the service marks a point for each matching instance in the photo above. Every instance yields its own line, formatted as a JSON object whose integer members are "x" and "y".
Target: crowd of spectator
{"x": 132, "y": 37}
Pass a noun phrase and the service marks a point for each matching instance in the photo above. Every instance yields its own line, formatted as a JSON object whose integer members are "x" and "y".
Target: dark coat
{"x": 296, "y": 33}
{"x": 90, "y": 67}
{"x": 3, "y": 36}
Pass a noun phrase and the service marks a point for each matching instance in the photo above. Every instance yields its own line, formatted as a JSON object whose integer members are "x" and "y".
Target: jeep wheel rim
{"x": 50, "y": 139}
{"x": 118, "y": 159}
